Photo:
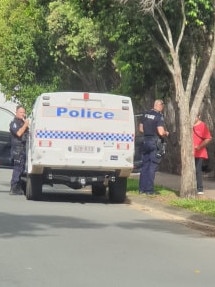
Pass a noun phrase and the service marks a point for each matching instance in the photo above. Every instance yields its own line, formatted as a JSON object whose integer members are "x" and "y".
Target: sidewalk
{"x": 172, "y": 181}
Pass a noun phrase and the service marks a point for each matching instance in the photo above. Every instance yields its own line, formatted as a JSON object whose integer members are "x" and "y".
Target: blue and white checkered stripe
{"x": 100, "y": 136}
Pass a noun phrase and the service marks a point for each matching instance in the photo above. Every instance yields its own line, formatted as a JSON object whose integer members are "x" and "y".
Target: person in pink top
{"x": 201, "y": 138}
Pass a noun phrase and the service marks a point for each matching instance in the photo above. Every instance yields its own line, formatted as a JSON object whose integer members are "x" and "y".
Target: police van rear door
{"x": 90, "y": 130}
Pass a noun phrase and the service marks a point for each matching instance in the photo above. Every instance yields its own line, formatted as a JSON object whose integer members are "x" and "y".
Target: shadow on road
{"x": 73, "y": 197}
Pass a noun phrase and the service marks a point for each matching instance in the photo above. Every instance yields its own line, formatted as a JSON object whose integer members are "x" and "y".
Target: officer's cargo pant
{"x": 19, "y": 157}
{"x": 149, "y": 166}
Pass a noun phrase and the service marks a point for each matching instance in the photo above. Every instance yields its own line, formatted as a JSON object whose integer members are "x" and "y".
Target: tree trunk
{"x": 188, "y": 177}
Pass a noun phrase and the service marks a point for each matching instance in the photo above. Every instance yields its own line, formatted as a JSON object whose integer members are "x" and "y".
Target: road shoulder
{"x": 158, "y": 209}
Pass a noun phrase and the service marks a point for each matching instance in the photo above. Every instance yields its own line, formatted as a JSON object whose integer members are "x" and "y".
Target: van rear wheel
{"x": 98, "y": 189}
{"x": 117, "y": 190}
{"x": 34, "y": 187}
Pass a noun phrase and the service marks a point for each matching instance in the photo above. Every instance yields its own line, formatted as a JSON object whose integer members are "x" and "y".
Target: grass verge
{"x": 203, "y": 206}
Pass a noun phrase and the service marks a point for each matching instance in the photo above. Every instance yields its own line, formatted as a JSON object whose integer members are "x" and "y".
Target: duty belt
{"x": 150, "y": 137}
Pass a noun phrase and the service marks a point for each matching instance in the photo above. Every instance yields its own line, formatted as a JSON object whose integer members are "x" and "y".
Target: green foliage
{"x": 201, "y": 206}
{"x": 102, "y": 45}
{"x": 133, "y": 187}
{"x": 91, "y": 45}
{"x": 170, "y": 197}
{"x": 16, "y": 46}
{"x": 24, "y": 56}
{"x": 199, "y": 12}
{"x": 199, "y": 27}
{"x": 28, "y": 94}
{"x": 96, "y": 45}
{"x": 78, "y": 43}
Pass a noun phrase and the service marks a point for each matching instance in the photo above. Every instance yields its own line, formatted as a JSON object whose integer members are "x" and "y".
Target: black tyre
{"x": 34, "y": 187}
{"x": 117, "y": 190}
{"x": 98, "y": 189}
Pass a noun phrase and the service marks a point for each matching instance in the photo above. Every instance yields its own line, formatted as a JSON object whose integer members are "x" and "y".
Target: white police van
{"x": 81, "y": 139}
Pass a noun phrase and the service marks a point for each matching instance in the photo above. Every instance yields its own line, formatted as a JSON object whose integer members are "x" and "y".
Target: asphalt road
{"x": 74, "y": 240}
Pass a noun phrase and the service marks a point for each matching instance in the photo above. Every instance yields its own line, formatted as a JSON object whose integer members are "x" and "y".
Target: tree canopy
{"x": 76, "y": 45}
{"x": 187, "y": 47}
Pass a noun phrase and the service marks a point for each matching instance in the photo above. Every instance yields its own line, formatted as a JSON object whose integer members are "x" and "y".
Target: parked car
{"x": 6, "y": 116}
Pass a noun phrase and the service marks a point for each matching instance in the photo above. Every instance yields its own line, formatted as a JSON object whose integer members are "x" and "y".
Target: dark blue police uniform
{"x": 151, "y": 120}
{"x": 18, "y": 153}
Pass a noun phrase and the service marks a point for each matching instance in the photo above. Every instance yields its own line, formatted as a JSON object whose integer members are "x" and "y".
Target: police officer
{"x": 19, "y": 132}
{"x": 152, "y": 127}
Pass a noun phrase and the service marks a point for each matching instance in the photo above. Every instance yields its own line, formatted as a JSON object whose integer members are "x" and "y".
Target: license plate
{"x": 84, "y": 149}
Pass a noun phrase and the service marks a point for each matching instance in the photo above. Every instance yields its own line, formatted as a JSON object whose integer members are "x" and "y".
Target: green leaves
{"x": 24, "y": 54}
{"x": 92, "y": 45}
{"x": 199, "y": 12}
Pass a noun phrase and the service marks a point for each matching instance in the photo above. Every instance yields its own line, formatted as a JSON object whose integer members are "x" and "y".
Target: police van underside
{"x": 79, "y": 140}
{"x": 103, "y": 183}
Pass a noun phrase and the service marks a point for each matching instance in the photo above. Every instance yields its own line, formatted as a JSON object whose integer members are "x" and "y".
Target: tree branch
{"x": 70, "y": 69}
{"x": 168, "y": 41}
{"x": 148, "y": 6}
{"x": 191, "y": 77}
{"x": 163, "y": 55}
{"x": 206, "y": 76}
{"x": 182, "y": 28}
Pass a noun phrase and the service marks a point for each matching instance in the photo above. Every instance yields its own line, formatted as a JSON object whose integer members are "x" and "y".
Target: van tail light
{"x": 45, "y": 143}
{"x": 123, "y": 146}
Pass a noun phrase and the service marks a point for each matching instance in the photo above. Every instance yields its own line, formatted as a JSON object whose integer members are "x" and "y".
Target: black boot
{"x": 16, "y": 190}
